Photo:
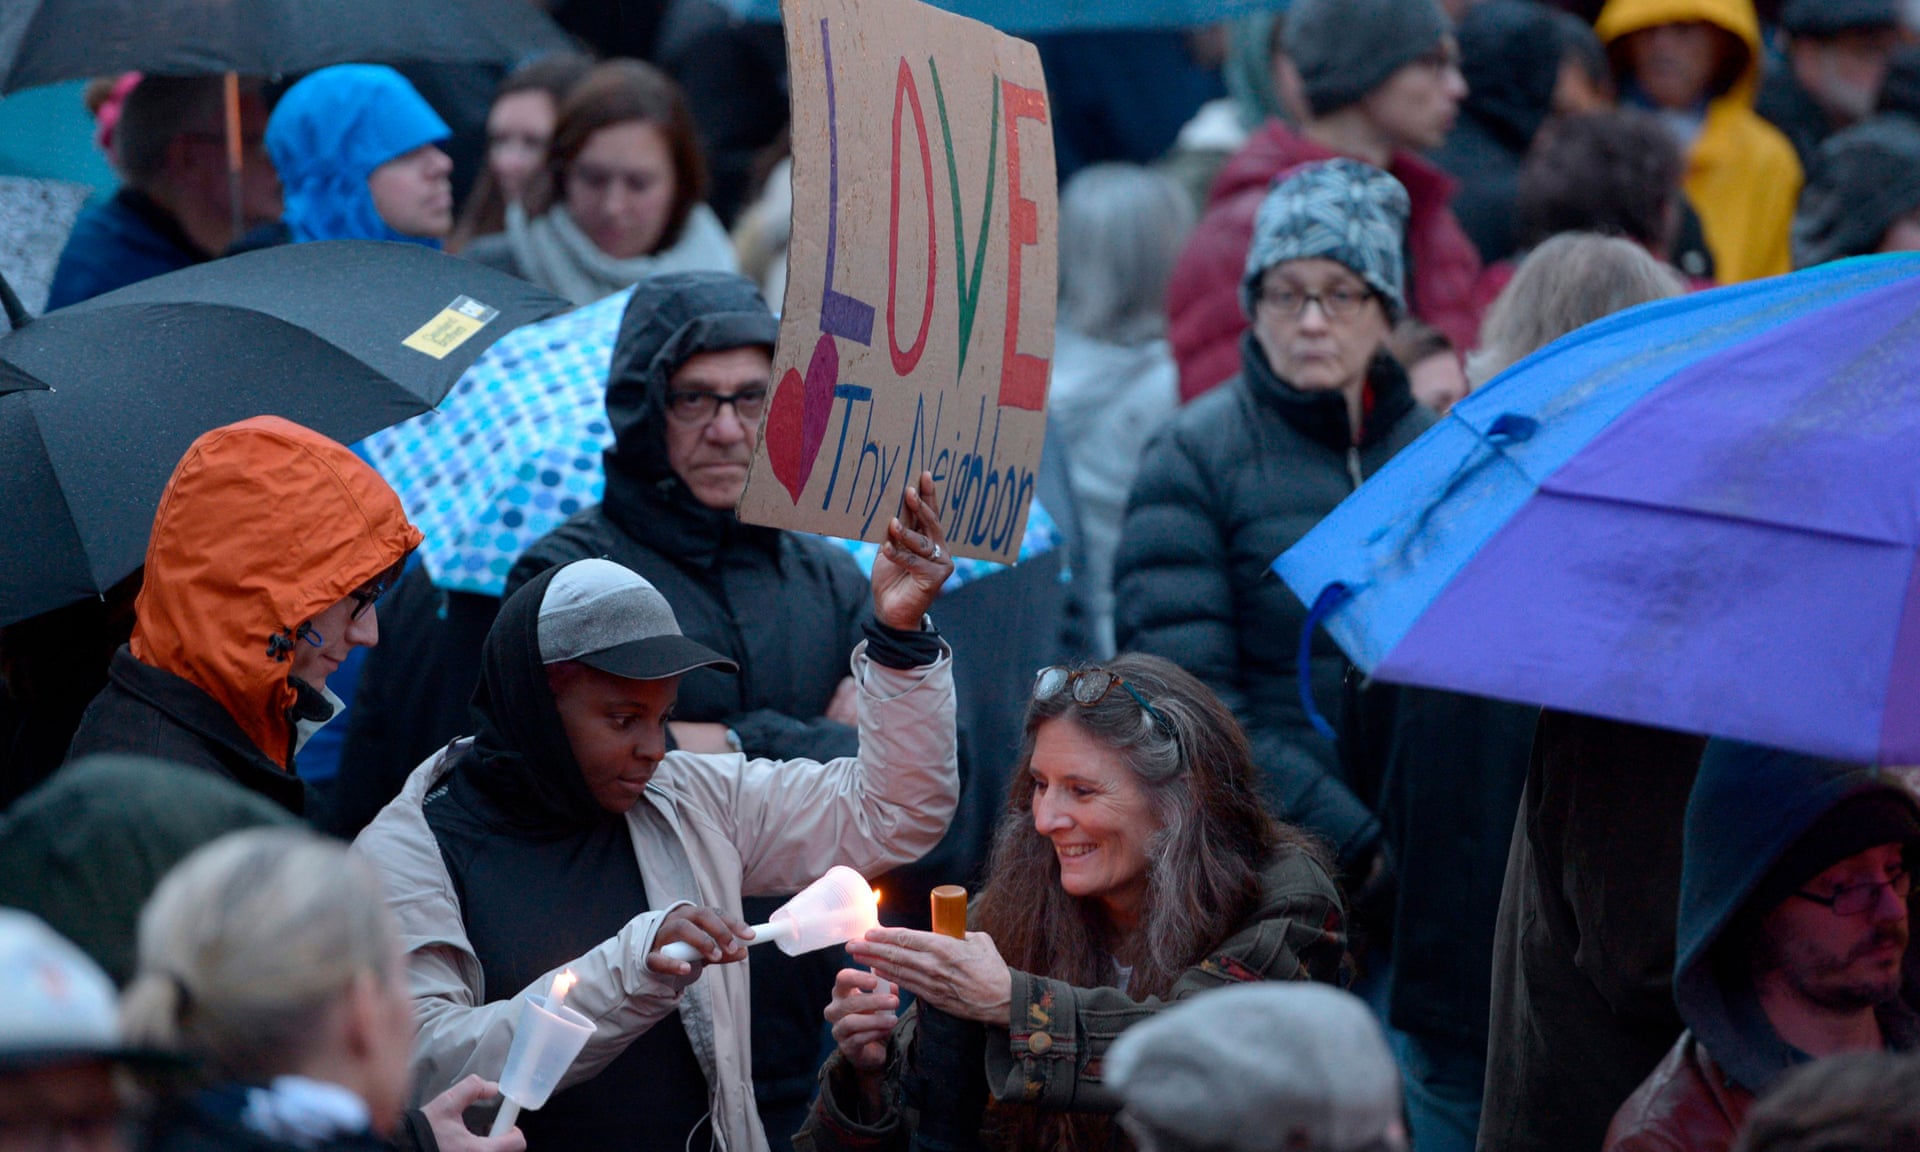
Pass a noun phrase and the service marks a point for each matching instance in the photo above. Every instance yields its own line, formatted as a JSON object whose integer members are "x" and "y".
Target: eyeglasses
{"x": 693, "y": 407}
{"x": 367, "y": 594}
{"x": 1858, "y": 899}
{"x": 1340, "y": 303}
{"x": 1089, "y": 686}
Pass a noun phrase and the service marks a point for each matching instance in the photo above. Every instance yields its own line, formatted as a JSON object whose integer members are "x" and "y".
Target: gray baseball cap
{"x": 608, "y": 617}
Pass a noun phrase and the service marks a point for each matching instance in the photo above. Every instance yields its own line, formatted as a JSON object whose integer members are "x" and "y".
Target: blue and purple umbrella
{"x": 1701, "y": 514}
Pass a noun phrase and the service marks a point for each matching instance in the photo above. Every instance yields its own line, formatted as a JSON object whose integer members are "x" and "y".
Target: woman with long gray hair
{"x": 1114, "y": 380}
{"x": 1134, "y": 867}
{"x": 269, "y": 962}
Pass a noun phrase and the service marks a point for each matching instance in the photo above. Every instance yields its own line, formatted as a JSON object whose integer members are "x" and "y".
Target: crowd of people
{"x": 291, "y": 835}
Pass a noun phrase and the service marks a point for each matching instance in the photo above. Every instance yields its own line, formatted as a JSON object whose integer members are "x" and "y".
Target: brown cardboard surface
{"x": 918, "y": 326}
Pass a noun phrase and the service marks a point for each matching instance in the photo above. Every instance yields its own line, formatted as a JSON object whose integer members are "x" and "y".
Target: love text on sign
{"x": 917, "y": 333}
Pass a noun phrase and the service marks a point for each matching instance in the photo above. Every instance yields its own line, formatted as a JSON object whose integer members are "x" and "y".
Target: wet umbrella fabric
{"x": 345, "y": 337}
{"x": 1702, "y": 514}
{"x": 45, "y": 41}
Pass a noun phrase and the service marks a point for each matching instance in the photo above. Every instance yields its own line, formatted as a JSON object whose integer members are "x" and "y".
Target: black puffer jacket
{"x": 1510, "y": 56}
{"x": 786, "y": 607}
{"x": 1240, "y": 476}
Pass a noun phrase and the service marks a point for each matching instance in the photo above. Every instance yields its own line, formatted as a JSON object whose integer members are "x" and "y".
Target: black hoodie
{"x": 1510, "y": 54}
{"x": 1749, "y": 806}
{"x": 786, "y": 607}
{"x": 544, "y": 874}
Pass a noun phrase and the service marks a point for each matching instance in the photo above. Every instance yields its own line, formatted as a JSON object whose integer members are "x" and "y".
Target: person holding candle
{"x": 565, "y": 835}
{"x": 271, "y": 969}
{"x": 1134, "y": 867}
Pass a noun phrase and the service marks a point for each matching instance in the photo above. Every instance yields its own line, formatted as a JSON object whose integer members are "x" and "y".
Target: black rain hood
{"x": 1749, "y": 807}
{"x": 1510, "y": 52}
{"x": 521, "y": 757}
{"x": 669, "y": 320}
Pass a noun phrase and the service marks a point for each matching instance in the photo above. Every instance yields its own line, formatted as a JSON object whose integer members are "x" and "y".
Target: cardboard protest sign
{"x": 918, "y": 327}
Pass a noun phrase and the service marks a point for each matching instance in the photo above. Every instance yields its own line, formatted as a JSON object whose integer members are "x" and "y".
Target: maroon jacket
{"x": 1204, "y": 295}
{"x": 1686, "y": 1105}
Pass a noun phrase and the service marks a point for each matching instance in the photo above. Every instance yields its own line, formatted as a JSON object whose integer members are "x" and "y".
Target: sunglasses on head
{"x": 1089, "y": 686}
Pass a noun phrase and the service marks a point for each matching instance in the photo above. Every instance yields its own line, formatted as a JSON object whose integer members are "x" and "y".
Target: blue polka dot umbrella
{"x": 512, "y": 451}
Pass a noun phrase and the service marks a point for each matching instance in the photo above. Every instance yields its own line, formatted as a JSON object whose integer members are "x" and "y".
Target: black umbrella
{"x": 345, "y": 337}
{"x": 11, "y": 378}
{"x": 47, "y": 41}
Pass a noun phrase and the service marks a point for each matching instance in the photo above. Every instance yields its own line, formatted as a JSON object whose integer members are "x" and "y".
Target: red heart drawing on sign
{"x": 797, "y": 421}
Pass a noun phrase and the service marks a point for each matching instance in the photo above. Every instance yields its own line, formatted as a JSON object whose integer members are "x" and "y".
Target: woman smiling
{"x": 1134, "y": 867}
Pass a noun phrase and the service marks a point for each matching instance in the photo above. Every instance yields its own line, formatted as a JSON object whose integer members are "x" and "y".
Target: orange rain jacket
{"x": 263, "y": 525}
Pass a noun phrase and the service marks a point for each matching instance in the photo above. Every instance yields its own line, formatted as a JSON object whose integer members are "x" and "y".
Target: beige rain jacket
{"x": 708, "y": 830}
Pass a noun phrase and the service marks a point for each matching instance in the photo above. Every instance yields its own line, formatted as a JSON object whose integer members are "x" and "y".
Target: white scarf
{"x": 303, "y": 1112}
{"x": 552, "y": 252}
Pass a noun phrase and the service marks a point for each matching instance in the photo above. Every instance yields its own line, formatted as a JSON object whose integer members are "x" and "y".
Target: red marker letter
{"x": 905, "y": 92}
{"x": 1023, "y": 378}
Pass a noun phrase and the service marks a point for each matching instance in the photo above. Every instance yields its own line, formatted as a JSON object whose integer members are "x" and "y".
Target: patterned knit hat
{"x": 1340, "y": 210}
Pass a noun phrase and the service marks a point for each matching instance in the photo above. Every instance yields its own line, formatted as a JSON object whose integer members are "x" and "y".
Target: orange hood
{"x": 263, "y": 526}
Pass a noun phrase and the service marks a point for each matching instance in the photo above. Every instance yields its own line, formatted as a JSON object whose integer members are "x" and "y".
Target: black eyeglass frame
{"x": 1324, "y": 299}
{"x": 1074, "y": 677}
{"x": 756, "y": 395}
{"x": 1846, "y": 894}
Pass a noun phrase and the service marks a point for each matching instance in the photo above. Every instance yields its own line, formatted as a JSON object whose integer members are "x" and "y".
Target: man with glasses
{"x": 175, "y": 209}
{"x": 686, "y": 393}
{"x": 1793, "y": 938}
{"x": 269, "y": 548}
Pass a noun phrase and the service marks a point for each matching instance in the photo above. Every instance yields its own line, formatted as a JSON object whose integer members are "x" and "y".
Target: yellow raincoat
{"x": 1742, "y": 176}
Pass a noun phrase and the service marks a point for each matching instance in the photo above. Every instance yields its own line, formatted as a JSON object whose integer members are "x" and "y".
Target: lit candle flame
{"x": 876, "y": 895}
{"x": 562, "y": 984}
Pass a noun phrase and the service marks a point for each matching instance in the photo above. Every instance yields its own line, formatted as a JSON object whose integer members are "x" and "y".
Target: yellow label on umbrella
{"x": 454, "y": 326}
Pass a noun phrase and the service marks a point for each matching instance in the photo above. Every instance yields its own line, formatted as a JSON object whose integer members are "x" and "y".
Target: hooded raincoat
{"x": 1749, "y": 807}
{"x": 263, "y": 526}
{"x": 328, "y": 134}
{"x": 707, "y": 830}
{"x": 1742, "y": 176}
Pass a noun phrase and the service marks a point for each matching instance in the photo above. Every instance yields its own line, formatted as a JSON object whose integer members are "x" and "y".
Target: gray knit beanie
{"x": 1340, "y": 210}
{"x": 1265, "y": 1067}
{"x": 1345, "y": 49}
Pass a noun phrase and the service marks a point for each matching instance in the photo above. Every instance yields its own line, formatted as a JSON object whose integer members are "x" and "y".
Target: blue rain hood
{"x": 328, "y": 134}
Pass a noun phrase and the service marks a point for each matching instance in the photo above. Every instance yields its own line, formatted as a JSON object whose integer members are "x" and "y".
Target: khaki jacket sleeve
{"x": 792, "y": 820}
{"x": 458, "y": 1035}
{"x": 1057, "y": 1035}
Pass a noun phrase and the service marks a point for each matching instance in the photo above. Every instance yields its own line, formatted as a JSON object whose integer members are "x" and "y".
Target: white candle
{"x": 557, "y": 994}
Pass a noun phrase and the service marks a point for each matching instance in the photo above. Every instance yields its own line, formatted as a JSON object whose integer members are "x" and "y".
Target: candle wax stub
{"x": 950, "y": 911}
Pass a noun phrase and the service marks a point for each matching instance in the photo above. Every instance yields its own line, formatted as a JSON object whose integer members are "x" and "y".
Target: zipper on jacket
{"x": 1353, "y": 466}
